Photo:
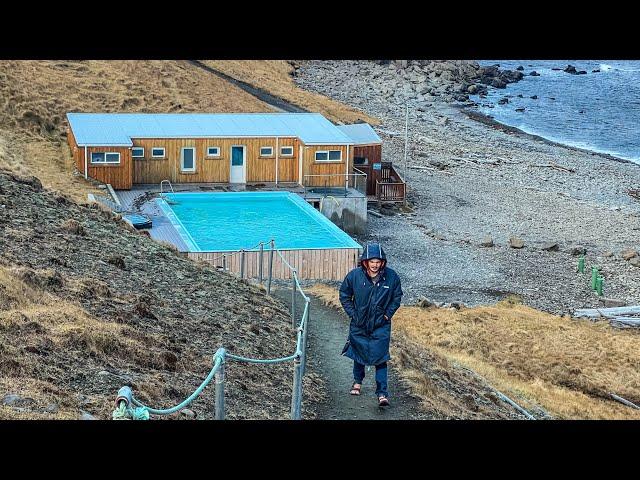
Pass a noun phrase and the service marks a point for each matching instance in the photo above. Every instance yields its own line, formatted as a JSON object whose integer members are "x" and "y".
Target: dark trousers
{"x": 381, "y": 377}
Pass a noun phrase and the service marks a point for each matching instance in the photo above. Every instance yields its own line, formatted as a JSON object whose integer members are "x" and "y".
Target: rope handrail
{"x": 125, "y": 401}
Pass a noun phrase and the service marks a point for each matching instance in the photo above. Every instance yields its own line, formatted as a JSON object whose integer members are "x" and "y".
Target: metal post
{"x": 296, "y": 394}
{"x": 224, "y": 262}
{"x": 304, "y": 337}
{"x": 293, "y": 299}
{"x": 219, "y": 385}
{"x": 242, "y": 263}
{"x": 406, "y": 141}
{"x": 270, "y": 267}
{"x": 260, "y": 257}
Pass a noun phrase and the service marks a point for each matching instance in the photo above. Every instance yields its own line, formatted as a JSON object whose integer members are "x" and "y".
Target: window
{"x": 329, "y": 156}
{"x": 266, "y": 151}
{"x": 188, "y": 163}
{"x": 213, "y": 151}
{"x": 157, "y": 152}
{"x": 286, "y": 151}
{"x": 105, "y": 157}
{"x": 137, "y": 152}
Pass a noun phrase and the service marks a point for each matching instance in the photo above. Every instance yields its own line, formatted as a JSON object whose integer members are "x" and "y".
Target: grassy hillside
{"x": 568, "y": 366}
{"x": 275, "y": 76}
{"x": 36, "y": 95}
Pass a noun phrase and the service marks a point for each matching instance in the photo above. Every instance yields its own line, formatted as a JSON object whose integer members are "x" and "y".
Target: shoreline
{"x": 485, "y": 119}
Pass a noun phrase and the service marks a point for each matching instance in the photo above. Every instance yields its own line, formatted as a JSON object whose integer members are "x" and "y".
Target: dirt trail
{"x": 328, "y": 330}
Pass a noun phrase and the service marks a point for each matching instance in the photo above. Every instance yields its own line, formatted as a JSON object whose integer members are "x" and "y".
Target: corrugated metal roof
{"x": 360, "y": 133}
{"x": 120, "y": 128}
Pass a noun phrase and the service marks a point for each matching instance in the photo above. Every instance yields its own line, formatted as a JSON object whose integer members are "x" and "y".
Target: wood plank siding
{"x": 214, "y": 169}
{"x": 312, "y": 167}
{"x": 119, "y": 175}
{"x": 320, "y": 264}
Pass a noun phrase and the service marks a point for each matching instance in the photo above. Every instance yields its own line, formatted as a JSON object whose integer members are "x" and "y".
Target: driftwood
{"x": 634, "y": 193}
{"x": 418, "y": 167}
{"x": 607, "y": 312}
{"x": 624, "y": 401}
{"x": 375, "y": 214}
{"x": 555, "y": 166}
{"x": 493, "y": 163}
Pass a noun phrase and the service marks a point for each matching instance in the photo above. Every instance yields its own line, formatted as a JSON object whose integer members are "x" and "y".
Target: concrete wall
{"x": 348, "y": 213}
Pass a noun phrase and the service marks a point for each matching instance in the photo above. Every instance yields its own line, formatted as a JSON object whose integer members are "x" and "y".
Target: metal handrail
{"x": 170, "y": 186}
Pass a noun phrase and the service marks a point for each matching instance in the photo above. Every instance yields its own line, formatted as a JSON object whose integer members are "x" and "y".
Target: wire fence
{"x": 130, "y": 408}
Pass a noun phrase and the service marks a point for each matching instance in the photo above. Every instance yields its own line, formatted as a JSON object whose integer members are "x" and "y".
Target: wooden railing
{"x": 391, "y": 187}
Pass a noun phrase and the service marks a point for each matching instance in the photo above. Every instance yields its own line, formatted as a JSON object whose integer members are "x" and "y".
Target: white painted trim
{"x": 315, "y": 158}
{"x": 286, "y": 154}
{"x": 266, "y": 156}
{"x": 139, "y": 156}
{"x": 277, "y": 156}
{"x": 300, "y": 162}
{"x": 164, "y": 152}
{"x": 346, "y": 178}
{"x": 188, "y": 170}
{"x": 244, "y": 162}
{"x": 105, "y": 158}
{"x": 213, "y": 156}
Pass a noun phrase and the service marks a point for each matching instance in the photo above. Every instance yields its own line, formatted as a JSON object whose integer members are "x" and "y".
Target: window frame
{"x": 137, "y": 156}
{"x": 287, "y": 154}
{"x": 217, "y": 155}
{"x": 164, "y": 152}
{"x": 266, "y": 156}
{"x": 187, "y": 170}
{"x": 104, "y": 162}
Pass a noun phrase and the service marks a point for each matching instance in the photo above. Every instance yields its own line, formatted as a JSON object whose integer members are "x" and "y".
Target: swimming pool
{"x": 230, "y": 221}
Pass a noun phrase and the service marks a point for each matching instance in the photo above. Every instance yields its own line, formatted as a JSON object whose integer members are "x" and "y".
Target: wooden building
{"x": 132, "y": 148}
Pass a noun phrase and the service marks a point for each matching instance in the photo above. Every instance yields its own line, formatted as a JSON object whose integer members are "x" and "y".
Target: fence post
{"x": 304, "y": 336}
{"x": 224, "y": 262}
{"x": 260, "y": 258}
{"x": 296, "y": 394}
{"x": 293, "y": 299}
{"x": 270, "y": 267}
{"x": 242, "y": 263}
{"x": 219, "y": 391}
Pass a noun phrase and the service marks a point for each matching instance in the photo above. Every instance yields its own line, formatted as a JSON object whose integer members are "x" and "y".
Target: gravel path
{"x": 475, "y": 180}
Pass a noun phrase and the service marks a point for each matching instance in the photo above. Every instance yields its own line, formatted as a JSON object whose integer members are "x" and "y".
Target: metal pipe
{"x": 242, "y": 263}
{"x": 86, "y": 174}
{"x": 304, "y": 335}
{"x": 270, "y": 267}
{"x": 260, "y": 258}
{"x": 293, "y": 299}
{"x": 296, "y": 394}
{"x": 277, "y": 154}
{"x": 224, "y": 262}
{"x": 219, "y": 391}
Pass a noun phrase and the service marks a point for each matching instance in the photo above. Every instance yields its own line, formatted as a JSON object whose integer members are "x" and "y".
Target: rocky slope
{"x": 87, "y": 305}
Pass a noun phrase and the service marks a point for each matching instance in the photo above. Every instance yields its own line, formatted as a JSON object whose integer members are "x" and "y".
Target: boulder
{"x": 190, "y": 414}
{"x": 570, "y": 69}
{"x": 595, "y": 71}
{"x": 550, "y": 247}
{"x": 612, "y": 302}
{"x": 503, "y": 101}
{"x": 515, "y": 242}
{"x": 578, "y": 250}
{"x": 86, "y": 416}
{"x": 635, "y": 261}
{"x": 487, "y": 241}
{"x": 534, "y": 74}
{"x": 607, "y": 254}
{"x": 533, "y": 97}
{"x": 424, "y": 302}
{"x": 12, "y": 399}
{"x": 520, "y": 68}
{"x": 628, "y": 253}
{"x": 521, "y": 109}
{"x": 581, "y": 72}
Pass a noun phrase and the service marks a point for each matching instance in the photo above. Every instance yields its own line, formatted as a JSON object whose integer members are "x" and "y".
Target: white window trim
{"x": 189, "y": 170}
{"x": 137, "y": 156}
{"x": 164, "y": 152}
{"x": 287, "y": 154}
{"x": 105, "y": 158}
{"x": 213, "y": 156}
{"x": 315, "y": 156}
{"x": 266, "y": 156}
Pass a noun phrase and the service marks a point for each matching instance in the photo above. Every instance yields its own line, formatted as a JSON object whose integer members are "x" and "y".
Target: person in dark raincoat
{"x": 370, "y": 294}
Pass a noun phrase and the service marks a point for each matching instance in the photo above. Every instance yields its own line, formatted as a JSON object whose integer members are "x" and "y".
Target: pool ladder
{"x": 170, "y": 186}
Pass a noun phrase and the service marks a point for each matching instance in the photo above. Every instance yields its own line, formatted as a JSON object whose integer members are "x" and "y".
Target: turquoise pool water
{"x": 234, "y": 220}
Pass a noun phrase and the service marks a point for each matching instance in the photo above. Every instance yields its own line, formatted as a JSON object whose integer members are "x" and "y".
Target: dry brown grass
{"x": 568, "y": 366}
{"x": 274, "y": 76}
{"x": 36, "y": 95}
{"x": 34, "y": 322}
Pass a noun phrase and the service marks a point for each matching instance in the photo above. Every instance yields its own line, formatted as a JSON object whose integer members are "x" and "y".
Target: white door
{"x": 238, "y": 164}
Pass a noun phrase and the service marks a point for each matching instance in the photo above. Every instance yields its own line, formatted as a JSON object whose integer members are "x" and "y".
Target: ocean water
{"x": 235, "y": 220}
{"x": 597, "y": 111}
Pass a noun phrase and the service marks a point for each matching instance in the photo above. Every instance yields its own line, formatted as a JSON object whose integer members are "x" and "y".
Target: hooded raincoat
{"x": 367, "y": 304}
